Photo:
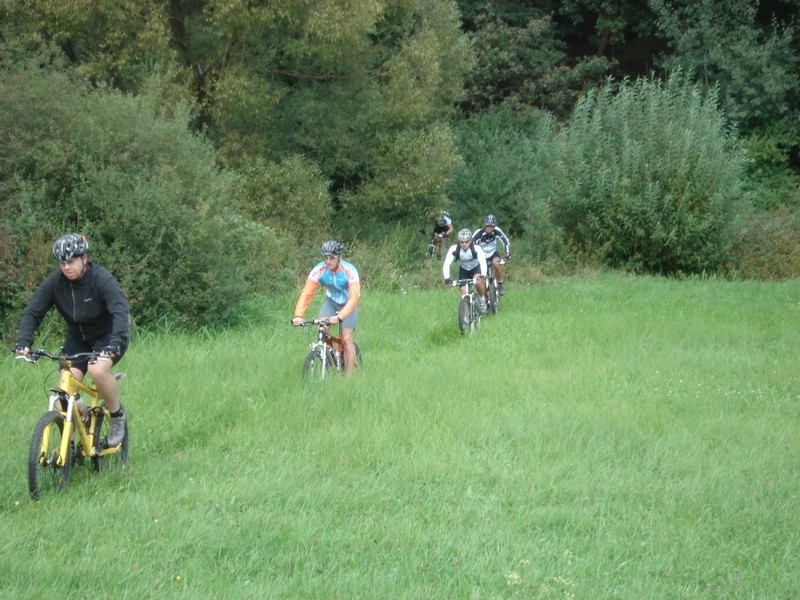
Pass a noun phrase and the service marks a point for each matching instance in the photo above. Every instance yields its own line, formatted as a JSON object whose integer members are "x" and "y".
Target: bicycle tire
{"x": 493, "y": 306}
{"x": 359, "y": 358}
{"x": 429, "y": 253}
{"x": 118, "y": 459}
{"x": 312, "y": 367}
{"x": 44, "y": 475}
{"x": 465, "y": 323}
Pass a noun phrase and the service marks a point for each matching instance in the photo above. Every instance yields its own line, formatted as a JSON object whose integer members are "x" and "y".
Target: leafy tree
{"x": 338, "y": 83}
{"x": 526, "y": 66}
{"x": 609, "y": 22}
{"x": 350, "y": 86}
{"x": 756, "y": 69}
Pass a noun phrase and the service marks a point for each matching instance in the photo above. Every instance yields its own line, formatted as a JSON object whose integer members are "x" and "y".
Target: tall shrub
{"x": 147, "y": 192}
{"x": 647, "y": 176}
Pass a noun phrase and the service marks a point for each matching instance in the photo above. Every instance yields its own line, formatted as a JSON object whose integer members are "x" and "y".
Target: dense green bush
{"x": 157, "y": 210}
{"x": 503, "y": 174}
{"x": 647, "y": 176}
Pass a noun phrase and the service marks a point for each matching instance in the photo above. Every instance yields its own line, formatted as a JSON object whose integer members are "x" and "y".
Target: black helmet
{"x": 69, "y": 246}
{"x": 490, "y": 220}
{"x": 331, "y": 248}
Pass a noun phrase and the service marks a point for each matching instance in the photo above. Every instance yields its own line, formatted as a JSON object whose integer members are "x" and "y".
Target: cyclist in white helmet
{"x": 486, "y": 237}
{"x": 472, "y": 263}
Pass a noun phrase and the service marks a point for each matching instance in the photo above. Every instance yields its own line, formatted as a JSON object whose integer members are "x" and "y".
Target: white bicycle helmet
{"x": 465, "y": 235}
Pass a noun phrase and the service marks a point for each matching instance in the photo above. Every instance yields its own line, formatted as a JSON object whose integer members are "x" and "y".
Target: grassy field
{"x": 609, "y": 437}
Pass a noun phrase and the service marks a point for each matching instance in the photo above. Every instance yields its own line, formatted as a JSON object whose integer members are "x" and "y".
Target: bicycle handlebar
{"x": 460, "y": 282}
{"x": 37, "y": 354}
{"x": 315, "y": 322}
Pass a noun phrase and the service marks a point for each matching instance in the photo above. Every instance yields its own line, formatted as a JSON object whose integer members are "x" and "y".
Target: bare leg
{"x": 106, "y": 383}
{"x": 349, "y": 349}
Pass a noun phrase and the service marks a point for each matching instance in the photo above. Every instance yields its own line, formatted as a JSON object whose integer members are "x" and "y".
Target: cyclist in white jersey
{"x": 342, "y": 290}
{"x": 486, "y": 238}
{"x": 472, "y": 263}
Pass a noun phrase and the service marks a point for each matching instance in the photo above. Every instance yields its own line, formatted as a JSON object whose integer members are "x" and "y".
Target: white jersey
{"x": 488, "y": 241}
{"x": 469, "y": 257}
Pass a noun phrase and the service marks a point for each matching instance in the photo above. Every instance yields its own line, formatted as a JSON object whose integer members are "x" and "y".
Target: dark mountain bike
{"x": 493, "y": 303}
{"x": 437, "y": 243}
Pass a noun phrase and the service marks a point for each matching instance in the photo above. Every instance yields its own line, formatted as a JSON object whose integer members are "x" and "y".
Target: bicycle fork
{"x": 55, "y": 404}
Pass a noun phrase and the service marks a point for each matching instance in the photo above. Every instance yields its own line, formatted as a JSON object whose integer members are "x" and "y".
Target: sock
{"x": 116, "y": 415}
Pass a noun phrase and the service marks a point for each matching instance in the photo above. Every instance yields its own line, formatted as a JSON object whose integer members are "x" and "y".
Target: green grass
{"x": 609, "y": 437}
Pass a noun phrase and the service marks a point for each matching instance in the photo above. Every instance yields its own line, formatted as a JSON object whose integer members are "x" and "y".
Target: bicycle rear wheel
{"x": 44, "y": 474}
{"x": 465, "y": 320}
{"x": 492, "y": 291}
{"x": 116, "y": 460}
{"x": 314, "y": 368}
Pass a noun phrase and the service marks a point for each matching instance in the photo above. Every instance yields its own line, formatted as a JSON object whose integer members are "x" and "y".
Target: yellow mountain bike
{"x": 74, "y": 428}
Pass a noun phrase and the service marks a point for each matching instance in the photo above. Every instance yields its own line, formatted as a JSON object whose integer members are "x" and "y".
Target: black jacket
{"x": 92, "y": 306}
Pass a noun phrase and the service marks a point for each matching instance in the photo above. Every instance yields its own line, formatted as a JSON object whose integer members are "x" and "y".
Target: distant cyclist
{"x": 343, "y": 288}
{"x": 444, "y": 224}
{"x": 472, "y": 264}
{"x": 486, "y": 238}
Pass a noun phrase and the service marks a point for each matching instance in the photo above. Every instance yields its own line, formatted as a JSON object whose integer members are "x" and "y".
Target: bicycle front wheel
{"x": 465, "y": 320}
{"x": 45, "y": 475}
{"x": 115, "y": 460}
{"x": 316, "y": 366}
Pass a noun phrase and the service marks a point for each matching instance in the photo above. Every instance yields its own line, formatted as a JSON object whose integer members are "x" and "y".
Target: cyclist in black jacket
{"x": 96, "y": 312}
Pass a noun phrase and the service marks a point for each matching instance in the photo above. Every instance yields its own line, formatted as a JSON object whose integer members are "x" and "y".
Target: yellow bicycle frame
{"x": 70, "y": 386}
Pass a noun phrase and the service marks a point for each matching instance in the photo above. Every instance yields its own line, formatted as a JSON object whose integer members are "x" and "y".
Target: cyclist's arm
{"x": 117, "y": 305}
{"x": 305, "y": 297}
{"x": 481, "y": 259}
{"x": 38, "y": 306}
{"x": 504, "y": 239}
{"x": 448, "y": 260}
{"x": 353, "y": 292}
{"x": 449, "y": 229}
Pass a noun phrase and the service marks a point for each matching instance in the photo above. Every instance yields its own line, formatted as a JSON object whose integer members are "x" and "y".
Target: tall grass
{"x": 609, "y": 437}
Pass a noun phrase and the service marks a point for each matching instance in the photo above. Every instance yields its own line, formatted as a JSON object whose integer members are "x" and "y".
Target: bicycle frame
{"x": 491, "y": 287}
{"x": 326, "y": 347}
{"x": 54, "y": 457}
{"x": 68, "y": 388}
{"x": 435, "y": 245}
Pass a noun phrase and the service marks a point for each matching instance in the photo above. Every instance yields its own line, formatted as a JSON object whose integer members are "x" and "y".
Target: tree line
{"x": 206, "y": 147}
